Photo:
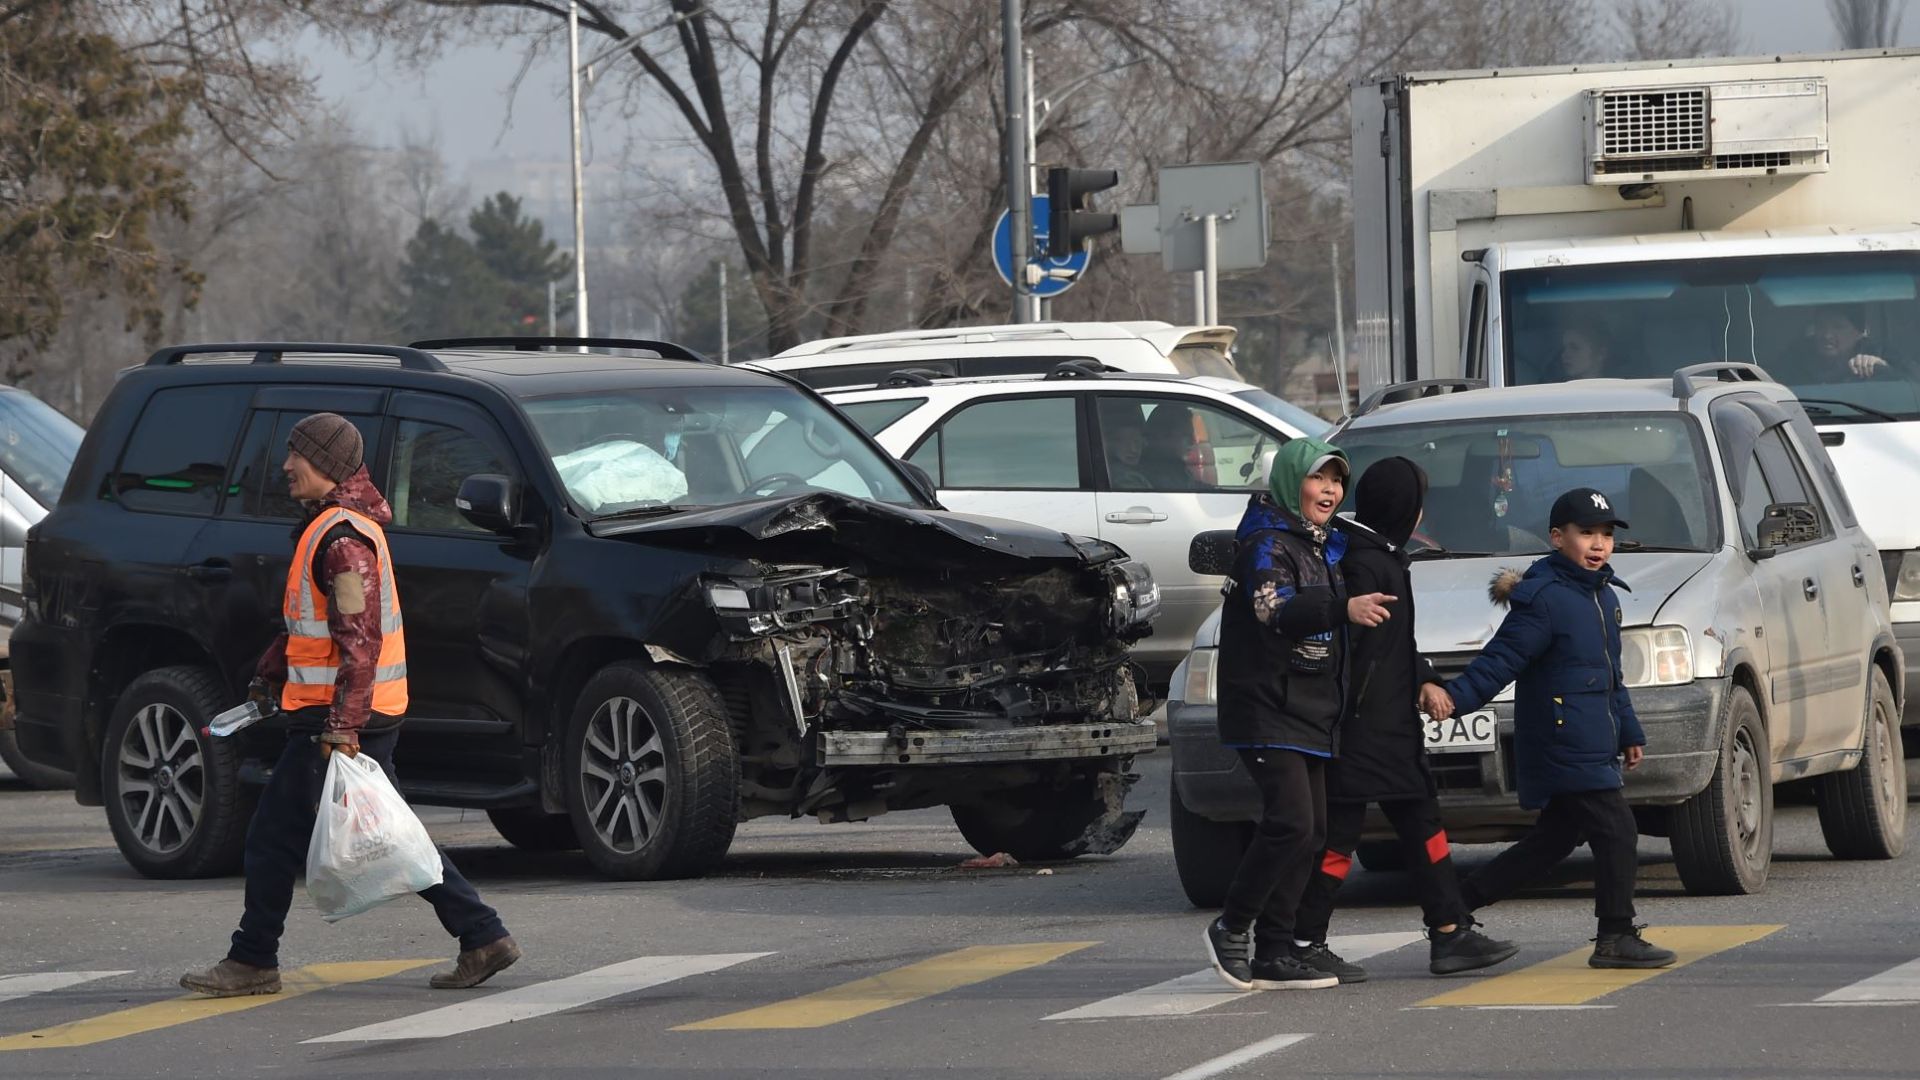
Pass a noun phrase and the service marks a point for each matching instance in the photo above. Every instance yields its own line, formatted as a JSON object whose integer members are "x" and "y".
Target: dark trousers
{"x": 277, "y": 841}
{"x": 1429, "y": 862}
{"x": 1604, "y": 821}
{"x": 1293, "y": 826}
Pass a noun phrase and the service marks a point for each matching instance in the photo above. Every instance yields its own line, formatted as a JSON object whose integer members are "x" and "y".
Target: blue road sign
{"x": 1076, "y": 263}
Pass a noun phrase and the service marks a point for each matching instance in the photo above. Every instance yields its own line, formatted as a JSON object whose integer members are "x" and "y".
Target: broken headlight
{"x": 783, "y": 601}
{"x": 1136, "y": 596}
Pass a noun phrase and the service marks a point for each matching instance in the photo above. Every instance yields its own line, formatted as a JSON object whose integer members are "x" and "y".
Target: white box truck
{"x": 1627, "y": 220}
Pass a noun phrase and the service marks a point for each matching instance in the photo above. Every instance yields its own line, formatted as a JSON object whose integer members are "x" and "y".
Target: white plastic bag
{"x": 367, "y": 847}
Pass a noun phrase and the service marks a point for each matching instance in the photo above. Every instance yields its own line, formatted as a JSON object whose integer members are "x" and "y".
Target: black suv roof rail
{"x": 1418, "y": 388}
{"x": 1724, "y": 371}
{"x": 667, "y": 349}
{"x": 912, "y": 377}
{"x": 270, "y": 352}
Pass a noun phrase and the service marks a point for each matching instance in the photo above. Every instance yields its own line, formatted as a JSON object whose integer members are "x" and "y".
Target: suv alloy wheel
{"x": 173, "y": 795}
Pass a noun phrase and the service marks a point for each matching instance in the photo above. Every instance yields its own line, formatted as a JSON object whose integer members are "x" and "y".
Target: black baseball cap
{"x": 1585, "y": 506}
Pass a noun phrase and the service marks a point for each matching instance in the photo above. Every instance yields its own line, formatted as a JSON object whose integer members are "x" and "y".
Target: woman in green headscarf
{"x": 1282, "y": 690}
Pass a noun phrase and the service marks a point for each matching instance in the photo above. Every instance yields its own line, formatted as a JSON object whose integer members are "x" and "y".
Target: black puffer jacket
{"x": 1382, "y": 752}
{"x": 1283, "y": 634}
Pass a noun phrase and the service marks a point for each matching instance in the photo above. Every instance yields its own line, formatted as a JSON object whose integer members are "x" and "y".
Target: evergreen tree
{"x": 516, "y": 251}
{"x": 448, "y": 289}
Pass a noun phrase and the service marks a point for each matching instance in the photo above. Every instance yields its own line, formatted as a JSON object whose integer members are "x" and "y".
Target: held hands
{"x": 1369, "y": 610}
{"x": 346, "y": 744}
{"x": 1633, "y": 755}
{"x": 1436, "y": 702}
{"x": 1865, "y": 364}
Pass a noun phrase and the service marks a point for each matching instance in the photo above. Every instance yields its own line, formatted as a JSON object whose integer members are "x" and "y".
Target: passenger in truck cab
{"x": 1835, "y": 348}
{"x": 1586, "y": 351}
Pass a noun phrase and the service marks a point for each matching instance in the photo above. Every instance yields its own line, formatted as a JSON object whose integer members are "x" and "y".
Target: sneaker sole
{"x": 1455, "y": 965}
{"x": 1206, "y": 941}
{"x": 1631, "y": 965}
{"x": 1326, "y": 983}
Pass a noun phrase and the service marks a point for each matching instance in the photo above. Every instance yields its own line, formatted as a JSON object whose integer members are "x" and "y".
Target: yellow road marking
{"x": 1567, "y": 980}
{"x": 183, "y": 1010}
{"x": 936, "y": 975}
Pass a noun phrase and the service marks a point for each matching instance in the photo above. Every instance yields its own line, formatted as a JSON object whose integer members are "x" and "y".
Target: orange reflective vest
{"x": 313, "y": 660}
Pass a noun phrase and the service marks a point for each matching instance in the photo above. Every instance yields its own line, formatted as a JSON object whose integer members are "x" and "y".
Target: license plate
{"x": 1472, "y": 732}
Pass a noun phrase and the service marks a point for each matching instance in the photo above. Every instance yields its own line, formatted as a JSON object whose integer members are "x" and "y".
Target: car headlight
{"x": 1203, "y": 677}
{"x": 1136, "y": 596}
{"x": 1903, "y": 574}
{"x": 1656, "y": 656}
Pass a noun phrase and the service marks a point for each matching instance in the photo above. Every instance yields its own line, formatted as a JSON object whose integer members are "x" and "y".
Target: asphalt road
{"x": 862, "y": 951}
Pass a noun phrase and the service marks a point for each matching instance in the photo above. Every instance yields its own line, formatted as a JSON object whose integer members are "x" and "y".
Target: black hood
{"x": 878, "y": 530}
{"x": 1389, "y": 497}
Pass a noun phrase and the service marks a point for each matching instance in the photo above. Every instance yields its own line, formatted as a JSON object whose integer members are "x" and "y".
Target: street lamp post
{"x": 580, "y": 323}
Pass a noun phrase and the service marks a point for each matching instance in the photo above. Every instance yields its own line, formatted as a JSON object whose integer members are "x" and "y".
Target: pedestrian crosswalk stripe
{"x": 541, "y": 999}
{"x": 936, "y": 975}
{"x": 183, "y": 1010}
{"x": 40, "y": 982}
{"x": 1567, "y": 980}
{"x": 1229, "y": 1062}
{"x": 1203, "y": 989}
{"x": 1894, "y": 986}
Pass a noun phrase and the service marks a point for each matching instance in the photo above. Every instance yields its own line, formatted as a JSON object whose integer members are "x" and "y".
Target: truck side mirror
{"x": 1787, "y": 524}
{"x": 1211, "y": 553}
{"x": 487, "y": 500}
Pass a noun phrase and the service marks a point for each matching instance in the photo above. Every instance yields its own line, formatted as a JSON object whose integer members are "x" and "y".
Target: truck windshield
{"x": 666, "y": 448}
{"x": 1843, "y": 330}
{"x": 1492, "y": 481}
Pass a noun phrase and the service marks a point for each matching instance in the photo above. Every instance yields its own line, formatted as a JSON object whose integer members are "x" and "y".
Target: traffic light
{"x": 1070, "y": 224}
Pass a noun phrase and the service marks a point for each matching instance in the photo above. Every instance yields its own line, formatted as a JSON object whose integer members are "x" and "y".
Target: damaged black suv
{"x": 647, "y": 597}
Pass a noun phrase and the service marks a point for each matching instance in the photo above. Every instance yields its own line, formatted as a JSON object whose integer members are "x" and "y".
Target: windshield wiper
{"x": 1817, "y": 406}
{"x": 1635, "y": 545}
{"x": 650, "y": 510}
{"x": 1438, "y": 552}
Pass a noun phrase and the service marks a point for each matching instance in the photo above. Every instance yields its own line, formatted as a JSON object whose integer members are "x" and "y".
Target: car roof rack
{"x": 667, "y": 349}
{"x": 1418, "y": 388}
{"x": 911, "y": 377}
{"x": 271, "y": 352}
{"x": 1079, "y": 369}
{"x": 1723, "y": 371}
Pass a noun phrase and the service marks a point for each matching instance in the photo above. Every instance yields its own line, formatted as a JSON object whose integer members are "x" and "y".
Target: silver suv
{"x": 1758, "y": 644}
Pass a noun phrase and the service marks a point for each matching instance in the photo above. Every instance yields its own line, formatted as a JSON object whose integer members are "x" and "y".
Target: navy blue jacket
{"x": 1560, "y": 646}
{"x": 1283, "y": 665}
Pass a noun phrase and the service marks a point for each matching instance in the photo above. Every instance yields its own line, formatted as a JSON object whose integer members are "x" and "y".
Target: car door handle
{"x": 211, "y": 571}
{"x": 1859, "y": 578}
{"x": 1811, "y": 588}
{"x": 1136, "y": 515}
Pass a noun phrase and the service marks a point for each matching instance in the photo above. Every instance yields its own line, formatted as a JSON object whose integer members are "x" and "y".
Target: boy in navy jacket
{"x": 1572, "y": 723}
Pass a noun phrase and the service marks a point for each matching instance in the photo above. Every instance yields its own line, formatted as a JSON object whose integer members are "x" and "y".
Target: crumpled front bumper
{"x": 1049, "y": 742}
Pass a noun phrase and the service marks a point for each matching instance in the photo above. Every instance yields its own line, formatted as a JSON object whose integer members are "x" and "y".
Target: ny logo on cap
{"x": 1599, "y": 501}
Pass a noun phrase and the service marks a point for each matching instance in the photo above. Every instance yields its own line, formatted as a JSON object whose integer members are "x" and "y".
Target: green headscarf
{"x": 1295, "y": 461}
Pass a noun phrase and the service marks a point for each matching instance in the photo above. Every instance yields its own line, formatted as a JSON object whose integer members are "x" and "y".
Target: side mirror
{"x": 924, "y": 479}
{"x": 1211, "y": 553}
{"x": 1786, "y": 524}
{"x": 487, "y": 500}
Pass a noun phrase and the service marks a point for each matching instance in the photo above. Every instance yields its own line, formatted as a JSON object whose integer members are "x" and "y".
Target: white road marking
{"x": 1203, "y": 989}
{"x": 19, "y": 986}
{"x": 1229, "y": 1062}
{"x": 1894, "y": 986}
{"x": 541, "y": 999}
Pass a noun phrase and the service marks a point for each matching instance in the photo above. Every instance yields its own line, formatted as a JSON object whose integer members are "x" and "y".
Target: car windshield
{"x": 1492, "y": 481}
{"x": 666, "y": 448}
{"x": 1843, "y": 330}
{"x": 37, "y": 445}
{"x": 1287, "y": 412}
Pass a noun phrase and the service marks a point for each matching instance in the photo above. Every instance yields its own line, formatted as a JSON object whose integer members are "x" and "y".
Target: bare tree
{"x": 1866, "y": 24}
{"x": 1673, "y": 29}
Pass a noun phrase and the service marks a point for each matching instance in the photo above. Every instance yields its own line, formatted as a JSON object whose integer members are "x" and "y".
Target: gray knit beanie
{"x": 330, "y": 442}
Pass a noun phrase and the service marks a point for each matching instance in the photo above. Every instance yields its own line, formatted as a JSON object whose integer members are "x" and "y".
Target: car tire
{"x": 1863, "y": 812}
{"x": 530, "y": 828}
{"x": 1032, "y": 824}
{"x": 173, "y": 794}
{"x": 30, "y": 773}
{"x": 1382, "y": 856}
{"x": 1723, "y": 836}
{"x": 1205, "y": 852}
{"x": 653, "y": 780}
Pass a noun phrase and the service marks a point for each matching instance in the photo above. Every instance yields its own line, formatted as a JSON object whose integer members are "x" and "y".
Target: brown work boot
{"x": 231, "y": 978}
{"x": 476, "y": 966}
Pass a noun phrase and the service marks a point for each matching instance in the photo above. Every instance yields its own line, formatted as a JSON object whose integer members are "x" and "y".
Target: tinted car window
{"x": 258, "y": 485}
{"x": 1020, "y": 443}
{"x": 1177, "y": 444}
{"x": 1787, "y": 477}
{"x": 875, "y": 417}
{"x": 37, "y": 445}
{"x": 177, "y": 456}
{"x": 430, "y": 462}
{"x": 1754, "y": 498}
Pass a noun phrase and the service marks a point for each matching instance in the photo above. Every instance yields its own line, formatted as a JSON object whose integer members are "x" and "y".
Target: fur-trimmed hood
{"x": 1500, "y": 587}
{"x": 1509, "y": 580}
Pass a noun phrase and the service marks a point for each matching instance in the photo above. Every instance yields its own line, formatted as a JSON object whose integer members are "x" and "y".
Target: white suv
{"x": 1142, "y": 461}
{"x": 1019, "y": 349}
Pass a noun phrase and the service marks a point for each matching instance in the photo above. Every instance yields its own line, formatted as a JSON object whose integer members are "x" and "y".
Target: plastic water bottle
{"x": 240, "y": 716}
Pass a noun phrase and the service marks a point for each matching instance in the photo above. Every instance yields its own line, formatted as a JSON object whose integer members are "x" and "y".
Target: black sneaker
{"x": 1628, "y": 950}
{"x": 1289, "y": 973}
{"x": 1321, "y": 959}
{"x": 1466, "y": 949}
{"x": 1231, "y": 952}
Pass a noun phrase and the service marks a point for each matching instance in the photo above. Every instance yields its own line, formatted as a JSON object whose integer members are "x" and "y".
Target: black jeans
{"x": 1429, "y": 863}
{"x": 1604, "y": 821}
{"x": 1273, "y": 873}
{"x": 277, "y": 841}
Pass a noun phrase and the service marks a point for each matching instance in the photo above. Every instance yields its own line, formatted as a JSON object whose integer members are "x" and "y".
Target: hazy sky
{"x": 465, "y": 96}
